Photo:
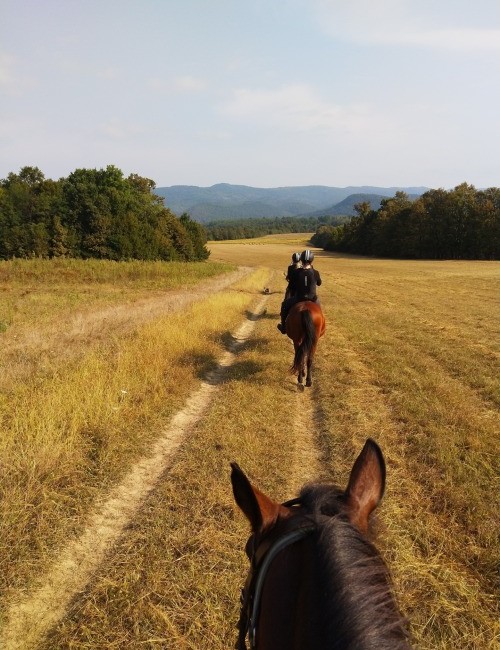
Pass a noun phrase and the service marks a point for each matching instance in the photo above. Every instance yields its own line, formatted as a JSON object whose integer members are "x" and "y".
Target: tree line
{"x": 463, "y": 223}
{"x": 258, "y": 227}
{"x": 93, "y": 214}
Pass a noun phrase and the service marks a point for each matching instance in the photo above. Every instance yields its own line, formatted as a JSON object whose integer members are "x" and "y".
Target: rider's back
{"x": 306, "y": 281}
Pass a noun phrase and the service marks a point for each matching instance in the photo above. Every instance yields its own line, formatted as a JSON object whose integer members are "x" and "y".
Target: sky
{"x": 262, "y": 93}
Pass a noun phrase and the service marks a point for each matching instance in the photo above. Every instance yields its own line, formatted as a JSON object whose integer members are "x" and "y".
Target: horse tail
{"x": 308, "y": 342}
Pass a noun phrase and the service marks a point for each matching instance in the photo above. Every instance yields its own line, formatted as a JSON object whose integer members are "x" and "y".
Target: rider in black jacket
{"x": 306, "y": 279}
{"x": 290, "y": 275}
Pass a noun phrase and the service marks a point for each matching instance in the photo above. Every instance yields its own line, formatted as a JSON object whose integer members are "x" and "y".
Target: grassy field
{"x": 70, "y": 427}
{"x": 410, "y": 358}
{"x": 36, "y": 291}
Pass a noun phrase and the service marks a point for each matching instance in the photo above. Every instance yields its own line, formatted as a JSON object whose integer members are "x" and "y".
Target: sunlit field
{"x": 34, "y": 291}
{"x": 410, "y": 358}
{"x": 72, "y": 425}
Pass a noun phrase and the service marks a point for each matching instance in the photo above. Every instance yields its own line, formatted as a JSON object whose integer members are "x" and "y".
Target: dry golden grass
{"x": 413, "y": 362}
{"x": 35, "y": 291}
{"x": 174, "y": 580}
{"x": 68, "y": 434}
{"x": 274, "y": 251}
{"x": 58, "y": 313}
{"x": 410, "y": 358}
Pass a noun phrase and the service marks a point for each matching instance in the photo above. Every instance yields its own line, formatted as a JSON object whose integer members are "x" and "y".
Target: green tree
{"x": 487, "y": 241}
{"x": 197, "y": 235}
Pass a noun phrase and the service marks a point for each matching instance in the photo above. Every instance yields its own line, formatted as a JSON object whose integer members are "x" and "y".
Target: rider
{"x": 290, "y": 275}
{"x": 306, "y": 280}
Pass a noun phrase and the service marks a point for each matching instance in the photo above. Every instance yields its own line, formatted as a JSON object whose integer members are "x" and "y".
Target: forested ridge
{"x": 249, "y": 228}
{"x": 93, "y": 214}
{"x": 224, "y": 201}
{"x": 463, "y": 223}
{"x": 103, "y": 214}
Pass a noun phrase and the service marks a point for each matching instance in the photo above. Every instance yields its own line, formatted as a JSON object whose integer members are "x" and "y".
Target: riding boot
{"x": 281, "y": 326}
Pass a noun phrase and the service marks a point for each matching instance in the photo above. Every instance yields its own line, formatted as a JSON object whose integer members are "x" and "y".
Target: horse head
{"x": 315, "y": 579}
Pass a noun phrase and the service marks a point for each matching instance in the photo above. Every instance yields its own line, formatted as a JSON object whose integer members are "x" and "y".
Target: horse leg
{"x": 309, "y": 371}
{"x": 300, "y": 376}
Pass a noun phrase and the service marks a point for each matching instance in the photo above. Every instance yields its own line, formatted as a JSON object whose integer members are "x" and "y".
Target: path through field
{"x": 29, "y": 620}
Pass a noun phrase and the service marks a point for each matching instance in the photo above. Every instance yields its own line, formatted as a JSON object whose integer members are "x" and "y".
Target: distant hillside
{"x": 346, "y": 207}
{"x": 225, "y": 201}
{"x": 207, "y": 212}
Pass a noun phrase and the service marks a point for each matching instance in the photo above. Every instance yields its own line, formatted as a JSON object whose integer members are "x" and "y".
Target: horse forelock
{"x": 321, "y": 499}
{"x": 358, "y": 600}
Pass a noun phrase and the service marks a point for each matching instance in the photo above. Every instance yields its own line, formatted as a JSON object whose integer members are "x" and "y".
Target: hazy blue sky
{"x": 283, "y": 92}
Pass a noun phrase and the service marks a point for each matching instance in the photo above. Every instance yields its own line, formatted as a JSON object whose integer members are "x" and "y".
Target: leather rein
{"x": 261, "y": 560}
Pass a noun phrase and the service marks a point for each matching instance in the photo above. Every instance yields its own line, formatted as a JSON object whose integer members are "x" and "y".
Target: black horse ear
{"x": 258, "y": 508}
{"x": 245, "y": 497}
{"x": 366, "y": 484}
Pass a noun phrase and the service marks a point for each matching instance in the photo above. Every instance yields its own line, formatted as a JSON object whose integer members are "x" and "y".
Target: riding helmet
{"x": 307, "y": 257}
{"x": 296, "y": 258}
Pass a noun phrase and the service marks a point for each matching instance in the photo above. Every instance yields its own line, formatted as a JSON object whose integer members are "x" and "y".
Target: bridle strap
{"x": 283, "y": 542}
{"x": 292, "y": 502}
{"x": 252, "y": 591}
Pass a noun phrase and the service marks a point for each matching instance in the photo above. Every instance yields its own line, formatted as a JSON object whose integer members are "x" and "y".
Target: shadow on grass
{"x": 262, "y": 316}
{"x": 246, "y": 370}
{"x": 240, "y": 370}
{"x": 269, "y": 315}
{"x": 236, "y": 345}
{"x": 204, "y": 363}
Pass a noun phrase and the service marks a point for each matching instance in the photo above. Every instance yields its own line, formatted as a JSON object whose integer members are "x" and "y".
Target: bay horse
{"x": 305, "y": 324}
{"x": 316, "y": 582}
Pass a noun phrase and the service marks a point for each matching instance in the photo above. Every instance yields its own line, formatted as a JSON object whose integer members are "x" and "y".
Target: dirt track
{"x": 28, "y": 621}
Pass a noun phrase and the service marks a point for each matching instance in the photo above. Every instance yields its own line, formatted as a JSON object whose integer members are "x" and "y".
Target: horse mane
{"x": 361, "y": 611}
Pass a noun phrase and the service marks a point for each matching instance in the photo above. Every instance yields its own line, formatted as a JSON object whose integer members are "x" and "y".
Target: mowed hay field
{"x": 410, "y": 358}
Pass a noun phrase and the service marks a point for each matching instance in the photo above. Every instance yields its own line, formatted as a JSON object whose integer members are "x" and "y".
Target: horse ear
{"x": 366, "y": 484}
{"x": 258, "y": 508}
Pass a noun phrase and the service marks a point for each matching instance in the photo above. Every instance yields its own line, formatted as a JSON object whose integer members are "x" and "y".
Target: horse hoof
{"x": 300, "y": 388}
{"x": 309, "y": 384}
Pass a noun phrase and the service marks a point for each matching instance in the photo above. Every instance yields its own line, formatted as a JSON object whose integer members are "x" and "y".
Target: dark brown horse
{"x": 316, "y": 582}
{"x": 305, "y": 324}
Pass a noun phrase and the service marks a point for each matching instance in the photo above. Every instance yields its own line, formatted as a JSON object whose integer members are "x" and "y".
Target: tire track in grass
{"x": 306, "y": 465}
{"x": 29, "y": 620}
{"x": 307, "y": 454}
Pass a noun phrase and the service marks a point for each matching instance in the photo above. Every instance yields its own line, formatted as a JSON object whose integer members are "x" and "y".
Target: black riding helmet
{"x": 307, "y": 256}
{"x": 296, "y": 258}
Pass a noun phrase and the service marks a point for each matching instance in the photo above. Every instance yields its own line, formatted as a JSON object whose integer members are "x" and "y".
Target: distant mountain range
{"x": 224, "y": 201}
